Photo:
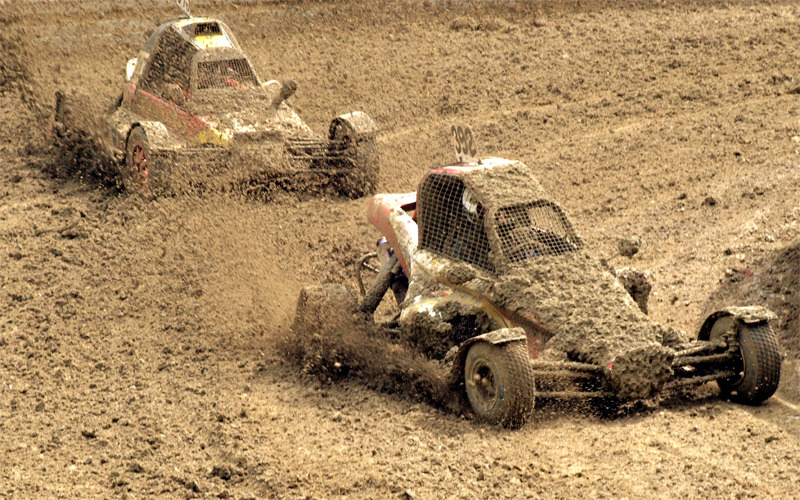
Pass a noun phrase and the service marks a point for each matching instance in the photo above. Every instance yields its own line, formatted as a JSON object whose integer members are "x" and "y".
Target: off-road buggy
{"x": 194, "y": 110}
{"x": 493, "y": 281}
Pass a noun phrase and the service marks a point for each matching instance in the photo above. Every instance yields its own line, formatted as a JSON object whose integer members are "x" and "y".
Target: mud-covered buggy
{"x": 493, "y": 282}
{"x": 193, "y": 112}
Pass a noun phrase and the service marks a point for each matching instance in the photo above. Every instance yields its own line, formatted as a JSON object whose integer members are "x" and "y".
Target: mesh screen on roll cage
{"x": 225, "y": 73}
{"x": 169, "y": 63}
{"x": 447, "y": 226}
{"x": 534, "y": 229}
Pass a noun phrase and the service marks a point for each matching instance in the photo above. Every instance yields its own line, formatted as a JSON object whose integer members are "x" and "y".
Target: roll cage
{"x": 455, "y": 222}
{"x": 192, "y": 54}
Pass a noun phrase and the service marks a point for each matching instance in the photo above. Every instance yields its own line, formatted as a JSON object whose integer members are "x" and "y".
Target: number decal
{"x": 470, "y": 143}
{"x": 466, "y": 149}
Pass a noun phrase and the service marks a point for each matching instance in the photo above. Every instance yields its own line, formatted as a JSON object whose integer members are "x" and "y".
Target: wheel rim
{"x": 482, "y": 385}
{"x": 138, "y": 168}
{"x": 738, "y": 365}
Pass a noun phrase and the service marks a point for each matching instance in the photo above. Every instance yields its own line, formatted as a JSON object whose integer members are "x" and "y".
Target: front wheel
{"x": 323, "y": 309}
{"x": 138, "y": 163}
{"x": 758, "y": 367}
{"x": 328, "y": 336}
{"x": 499, "y": 383}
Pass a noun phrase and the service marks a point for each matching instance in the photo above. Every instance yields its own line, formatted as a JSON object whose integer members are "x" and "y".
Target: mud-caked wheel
{"x": 758, "y": 364}
{"x": 361, "y": 158}
{"x": 145, "y": 172}
{"x": 499, "y": 383}
{"x": 323, "y": 307}
{"x": 329, "y": 337}
{"x": 138, "y": 163}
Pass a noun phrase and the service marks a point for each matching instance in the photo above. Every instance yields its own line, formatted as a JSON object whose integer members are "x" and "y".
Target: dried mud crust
{"x": 592, "y": 319}
{"x": 508, "y": 185}
{"x": 590, "y": 314}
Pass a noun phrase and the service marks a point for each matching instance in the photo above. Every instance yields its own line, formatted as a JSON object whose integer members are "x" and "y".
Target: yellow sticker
{"x": 215, "y": 137}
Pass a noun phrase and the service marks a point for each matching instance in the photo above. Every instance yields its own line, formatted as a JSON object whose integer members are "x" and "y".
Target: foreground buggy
{"x": 194, "y": 111}
{"x": 493, "y": 281}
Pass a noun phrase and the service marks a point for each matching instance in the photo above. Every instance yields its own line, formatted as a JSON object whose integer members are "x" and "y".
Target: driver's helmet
{"x": 472, "y": 206}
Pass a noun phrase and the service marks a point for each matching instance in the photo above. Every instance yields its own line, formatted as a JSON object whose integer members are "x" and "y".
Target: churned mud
{"x": 139, "y": 340}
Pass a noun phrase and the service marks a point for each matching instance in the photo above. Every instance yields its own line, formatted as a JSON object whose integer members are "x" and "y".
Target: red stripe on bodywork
{"x": 178, "y": 121}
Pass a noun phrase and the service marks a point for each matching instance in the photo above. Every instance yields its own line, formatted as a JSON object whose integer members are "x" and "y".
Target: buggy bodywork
{"x": 193, "y": 106}
{"x": 480, "y": 260}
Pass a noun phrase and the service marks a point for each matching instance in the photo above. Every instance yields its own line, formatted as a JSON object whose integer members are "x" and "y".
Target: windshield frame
{"x": 564, "y": 240}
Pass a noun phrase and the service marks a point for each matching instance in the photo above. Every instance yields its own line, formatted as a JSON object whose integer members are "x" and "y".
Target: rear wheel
{"x": 758, "y": 366}
{"x": 362, "y": 163}
{"x": 499, "y": 383}
{"x": 138, "y": 163}
{"x": 321, "y": 308}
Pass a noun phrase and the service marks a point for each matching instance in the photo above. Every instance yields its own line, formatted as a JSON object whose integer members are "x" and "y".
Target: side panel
{"x": 178, "y": 122}
{"x": 387, "y": 212}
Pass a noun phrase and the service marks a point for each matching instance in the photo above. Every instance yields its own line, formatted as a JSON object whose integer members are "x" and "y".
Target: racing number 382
{"x": 466, "y": 150}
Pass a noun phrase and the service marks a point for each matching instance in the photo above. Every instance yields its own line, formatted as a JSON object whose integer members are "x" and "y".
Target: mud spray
{"x": 332, "y": 341}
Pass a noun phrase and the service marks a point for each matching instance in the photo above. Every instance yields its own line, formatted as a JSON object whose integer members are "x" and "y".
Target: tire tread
{"x": 761, "y": 354}
{"x": 516, "y": 406}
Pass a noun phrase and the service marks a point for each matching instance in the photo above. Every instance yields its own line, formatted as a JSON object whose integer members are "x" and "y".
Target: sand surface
{"x": 139, "y": 339}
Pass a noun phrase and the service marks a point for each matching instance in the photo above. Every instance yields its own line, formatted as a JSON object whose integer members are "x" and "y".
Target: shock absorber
{"x": 389, "y": 270}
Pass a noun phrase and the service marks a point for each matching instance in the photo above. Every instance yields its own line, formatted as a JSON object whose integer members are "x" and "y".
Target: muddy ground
{"x": 138, "y": 339}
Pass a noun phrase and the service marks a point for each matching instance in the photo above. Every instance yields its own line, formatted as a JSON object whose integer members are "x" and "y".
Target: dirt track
{"x": 137, "y": 340}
